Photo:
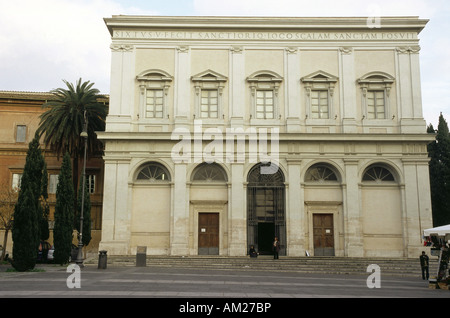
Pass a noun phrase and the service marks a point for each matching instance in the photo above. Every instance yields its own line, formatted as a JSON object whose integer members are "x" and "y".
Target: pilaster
{"x": 353, "y": 239}
{"x": 348, "y": 93}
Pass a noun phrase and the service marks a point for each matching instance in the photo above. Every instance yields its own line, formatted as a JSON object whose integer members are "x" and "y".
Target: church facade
{"x": 224, "y": 132}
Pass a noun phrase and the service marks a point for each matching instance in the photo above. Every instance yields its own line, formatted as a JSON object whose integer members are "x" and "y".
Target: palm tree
{"x": 63, "y": 122}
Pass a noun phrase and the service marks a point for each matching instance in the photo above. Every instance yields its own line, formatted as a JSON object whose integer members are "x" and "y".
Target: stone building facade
{"x": 224, "y": 132}
{"x": 19, "y": 119}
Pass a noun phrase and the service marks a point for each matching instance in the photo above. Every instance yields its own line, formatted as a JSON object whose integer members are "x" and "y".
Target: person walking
{"x": 276, "y": 248}
{"x": 424, "y": 263}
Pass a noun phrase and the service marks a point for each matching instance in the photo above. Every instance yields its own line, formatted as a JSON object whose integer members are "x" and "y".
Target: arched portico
{"x": 266, "y": 215}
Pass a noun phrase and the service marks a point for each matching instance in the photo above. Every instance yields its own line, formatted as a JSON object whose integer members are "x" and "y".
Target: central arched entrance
{"x": 266, "y": 209}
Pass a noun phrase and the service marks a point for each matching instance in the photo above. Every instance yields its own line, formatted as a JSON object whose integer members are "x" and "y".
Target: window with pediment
{"x": 209, "y": 87}
{"x": 154, "y": 86}
{"x": 264, "y": 87}
{"x": 376, "y": 88}
{"x": 319, "y": 88}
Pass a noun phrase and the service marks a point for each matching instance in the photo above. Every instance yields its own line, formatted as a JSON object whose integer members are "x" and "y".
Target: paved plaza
{"x": 209, "y": 292}
{"x": 130, "y": 281}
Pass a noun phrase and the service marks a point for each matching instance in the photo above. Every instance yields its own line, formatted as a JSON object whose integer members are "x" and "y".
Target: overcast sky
{"x": 43, "y": 42}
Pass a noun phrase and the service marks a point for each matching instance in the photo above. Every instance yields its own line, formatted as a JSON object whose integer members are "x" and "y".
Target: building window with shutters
{"x": 154, "y": 87}
{"x": 209, "y": 86}
{"x": 264, "y": 104}
{"x": 319, "y": 88}
{"x": 376, "y": 89}
{"x": 209, "y": 103}
{"x": 319, "y": 104}
{"x": 376, "y": 105}
{"x": 21, "y": 133}
{"x": 154, "y": 103}
{"x": 264, "y": 88}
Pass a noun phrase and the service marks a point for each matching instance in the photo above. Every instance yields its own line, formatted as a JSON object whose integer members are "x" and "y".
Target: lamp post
{"x": 84, "y": 135}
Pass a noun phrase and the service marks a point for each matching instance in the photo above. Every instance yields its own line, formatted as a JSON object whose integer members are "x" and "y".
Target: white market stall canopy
{"x": 438, "y": 231}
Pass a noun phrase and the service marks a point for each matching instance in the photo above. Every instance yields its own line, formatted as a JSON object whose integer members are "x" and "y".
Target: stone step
{"x": 324, "y": 265}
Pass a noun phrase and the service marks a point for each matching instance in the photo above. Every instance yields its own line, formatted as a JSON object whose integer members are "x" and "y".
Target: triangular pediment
{"x": 319, "y": 76}
{"x": 209, "y": 75}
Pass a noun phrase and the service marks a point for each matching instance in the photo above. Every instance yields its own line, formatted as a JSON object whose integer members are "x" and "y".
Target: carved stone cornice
{"x": 292, "y": 50}
{"x": 236, "y": 49}
{"x": 121, "y": 48}
{"x": 346, "y": 50}
{"x": 409, "y": 50}
{"x": 183, "y": 49}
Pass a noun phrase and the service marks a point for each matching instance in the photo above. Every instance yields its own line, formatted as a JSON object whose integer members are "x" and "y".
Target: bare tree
{"x": 8, "y": 199}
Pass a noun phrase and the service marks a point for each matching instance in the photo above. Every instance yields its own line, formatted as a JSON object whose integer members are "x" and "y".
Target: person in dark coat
{"x": 252, "y": 252}
{"x": 424, "y": 264}
{"x": 276, "y": 248}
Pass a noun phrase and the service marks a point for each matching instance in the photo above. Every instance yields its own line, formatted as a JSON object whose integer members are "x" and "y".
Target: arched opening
{"x": 323, "y": 195}
{"x": 381, "y": 211}
{"x": 209, "y": 173}
{"x": 266, "y": 209}
{"x": 153, "y": 172}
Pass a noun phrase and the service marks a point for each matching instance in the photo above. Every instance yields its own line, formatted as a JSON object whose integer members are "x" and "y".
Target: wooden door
{"x": 323, "y": 228}
{"x": 208, "y": 234}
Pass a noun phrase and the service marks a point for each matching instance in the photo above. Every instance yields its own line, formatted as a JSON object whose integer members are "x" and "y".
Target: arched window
{"x": 209, "y": 173}
{"x": 256, "y": 177}
{"x": 320, "y": 173}
{"x": 377, "y": 173}
{"x": 153, "y": 172}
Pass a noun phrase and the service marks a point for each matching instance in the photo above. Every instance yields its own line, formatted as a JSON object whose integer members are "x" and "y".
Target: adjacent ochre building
{"x": 314, "y": 127}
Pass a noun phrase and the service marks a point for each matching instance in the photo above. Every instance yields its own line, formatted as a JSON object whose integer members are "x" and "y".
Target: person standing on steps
{"x": 276, "y": 248}
{"x": 424, "y": 263}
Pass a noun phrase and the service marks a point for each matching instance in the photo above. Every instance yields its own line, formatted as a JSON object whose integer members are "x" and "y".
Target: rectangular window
{"x": 21, "y": 133}
{"x": 90, "y": 183}
{"x": 264, "y": 105}
{"x": 16, "y": 180}
{"x": 52, "y": 183}
{"x": 209, "y": 106}
{"x": 376, "y": 105}
{"x": 319, "y": 105}
{"x": 154, "y": 103}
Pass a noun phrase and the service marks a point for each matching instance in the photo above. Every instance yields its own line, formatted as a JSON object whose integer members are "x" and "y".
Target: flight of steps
{"x": 313, "y": 265}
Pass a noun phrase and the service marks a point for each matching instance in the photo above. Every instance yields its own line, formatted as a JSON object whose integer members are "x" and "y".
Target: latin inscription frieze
{"x": 266, "y": 36}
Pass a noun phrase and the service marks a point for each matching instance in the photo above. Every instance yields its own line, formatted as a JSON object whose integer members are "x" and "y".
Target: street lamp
{"x": 84, "y": 135}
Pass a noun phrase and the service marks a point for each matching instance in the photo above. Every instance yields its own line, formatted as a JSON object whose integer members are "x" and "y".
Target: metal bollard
{"x": 141, "y": 256}
{"x": 102, "y": 260}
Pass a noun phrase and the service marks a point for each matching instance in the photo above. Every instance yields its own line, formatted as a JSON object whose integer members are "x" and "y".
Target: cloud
{"x": 44, "y": 42}
{"x": 319, "y": 8}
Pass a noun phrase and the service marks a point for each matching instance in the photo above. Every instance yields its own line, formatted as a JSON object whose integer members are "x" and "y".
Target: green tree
{"x": 25, "y": 230}
{"x": 63, "y": 121}
{"x": 439, "y": 152}
{"x": 64, "y": 213}
{"x": 44, "y": 208}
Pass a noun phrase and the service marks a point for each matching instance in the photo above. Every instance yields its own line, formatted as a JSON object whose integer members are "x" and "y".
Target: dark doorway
{"x": 266, "y": 234}
{"x": 208, "y": 234}
{"x": 265, "y": 210}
